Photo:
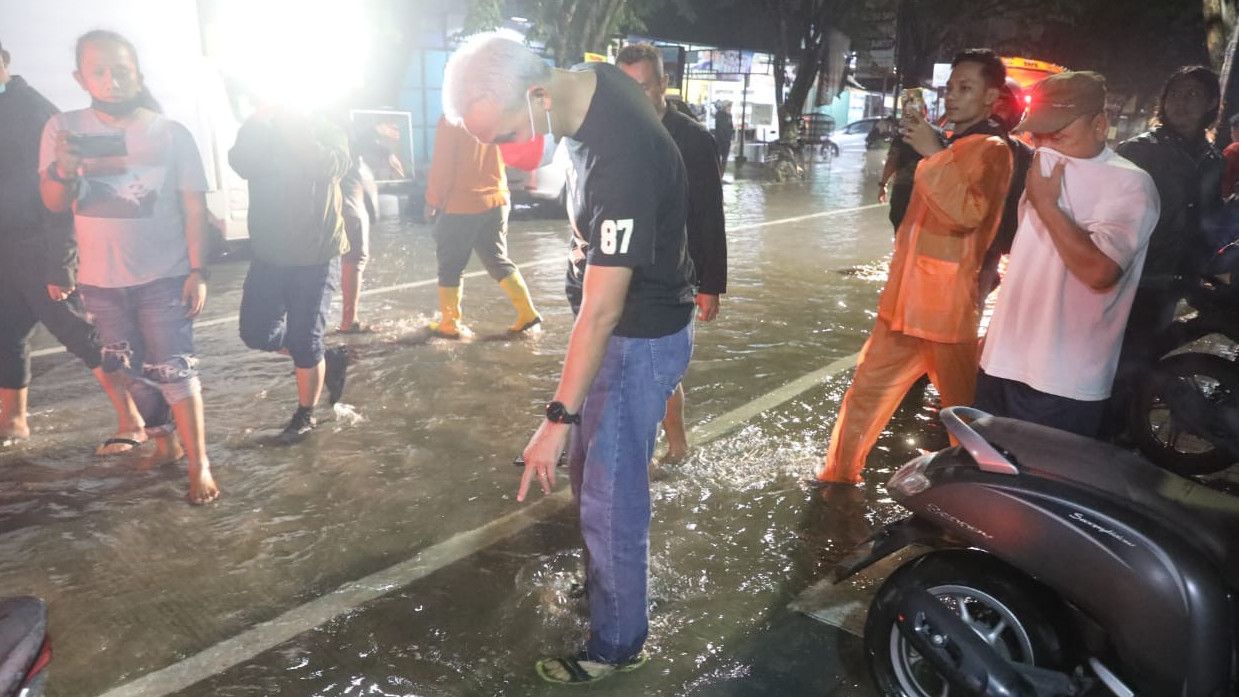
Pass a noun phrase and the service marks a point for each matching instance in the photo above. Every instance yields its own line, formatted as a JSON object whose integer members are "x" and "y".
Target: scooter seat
{"x": 1209, "y": 518}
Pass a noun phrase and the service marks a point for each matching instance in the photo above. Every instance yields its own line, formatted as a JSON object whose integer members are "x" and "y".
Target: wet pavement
{"x": 387, "y": 554}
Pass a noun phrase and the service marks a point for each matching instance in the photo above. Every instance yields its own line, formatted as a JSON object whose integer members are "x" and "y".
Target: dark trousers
{"x": 724, "y": 150}
{"x": 285, "y": 308}
{"x": 1015, "y": 400}
{"x": 24, "y": 303}
{"x": 457, "y": 235}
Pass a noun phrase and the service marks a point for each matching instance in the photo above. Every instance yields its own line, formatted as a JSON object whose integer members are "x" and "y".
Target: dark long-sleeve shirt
{"x": 1188, "y": 176}
{"x": 707, "y": 233}
{"x": 29, "y": 234}
{"x": 293, "y": 165}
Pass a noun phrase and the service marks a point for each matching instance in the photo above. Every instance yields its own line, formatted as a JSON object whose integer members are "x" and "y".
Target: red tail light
{"x": 40, "y": 661}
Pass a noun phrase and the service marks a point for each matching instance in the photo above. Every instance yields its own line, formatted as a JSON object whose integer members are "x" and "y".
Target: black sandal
{"x": 582, "y": 671}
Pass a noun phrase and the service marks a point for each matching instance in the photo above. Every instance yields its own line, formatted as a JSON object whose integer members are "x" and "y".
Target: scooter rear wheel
{"x": 1152, "y": 423}
{"x": 1004, "y": 608}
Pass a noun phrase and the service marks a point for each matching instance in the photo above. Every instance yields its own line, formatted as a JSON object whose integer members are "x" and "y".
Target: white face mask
{"x": 548, "y": 139}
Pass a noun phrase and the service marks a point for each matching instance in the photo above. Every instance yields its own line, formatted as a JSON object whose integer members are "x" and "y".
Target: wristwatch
{"x": 53, "y": 173}
{"x": 203, "y": 272}
{"x": 557, "y": 413}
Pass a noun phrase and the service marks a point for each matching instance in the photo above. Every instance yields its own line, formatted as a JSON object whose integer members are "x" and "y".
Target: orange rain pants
{"x": 927, "y": 313}
{"x": 889, "y": 364}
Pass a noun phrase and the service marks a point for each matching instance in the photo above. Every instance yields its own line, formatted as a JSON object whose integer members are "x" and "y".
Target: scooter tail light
{"x": 911, "y": 479}
{"x": 42, "y": 660}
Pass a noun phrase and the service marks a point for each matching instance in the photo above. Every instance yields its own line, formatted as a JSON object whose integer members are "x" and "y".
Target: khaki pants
{"x": 890, "y": 363}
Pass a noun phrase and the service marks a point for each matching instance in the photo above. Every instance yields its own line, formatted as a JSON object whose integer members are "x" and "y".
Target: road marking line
{"x": 533, "y": 264}
{"x": 348, "y": 597}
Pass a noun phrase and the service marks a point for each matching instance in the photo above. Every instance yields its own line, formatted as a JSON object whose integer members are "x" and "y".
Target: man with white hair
{"x": 629, "y": 282}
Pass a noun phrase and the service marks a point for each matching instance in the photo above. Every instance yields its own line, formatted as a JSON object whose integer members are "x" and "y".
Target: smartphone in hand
{"x": 912, "y": 105}
{"x": 93, "y": 145}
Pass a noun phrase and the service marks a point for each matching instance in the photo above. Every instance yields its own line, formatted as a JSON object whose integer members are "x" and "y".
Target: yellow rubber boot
{"x": 526, "y": 317}
{"x": 449, "y": 325}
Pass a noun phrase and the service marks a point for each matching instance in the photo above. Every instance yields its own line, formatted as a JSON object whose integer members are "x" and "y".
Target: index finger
{"x": 524, "y": 487}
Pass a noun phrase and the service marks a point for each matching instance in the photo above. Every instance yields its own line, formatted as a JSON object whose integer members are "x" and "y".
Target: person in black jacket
{"x": 38, "y": 258}
{"x": 1187, "y": 170}
{"x": 707, "y": 234}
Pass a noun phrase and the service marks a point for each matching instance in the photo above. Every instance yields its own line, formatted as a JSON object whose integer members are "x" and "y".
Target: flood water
{"x": 419, "y": 459}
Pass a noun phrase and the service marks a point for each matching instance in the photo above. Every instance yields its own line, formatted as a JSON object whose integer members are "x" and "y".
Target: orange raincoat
{"x": 928, "y": 311}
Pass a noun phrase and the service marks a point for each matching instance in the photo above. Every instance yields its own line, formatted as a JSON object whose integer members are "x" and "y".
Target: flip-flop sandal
{"x": 117, "y": 441}
{"x": 582, "y": 671}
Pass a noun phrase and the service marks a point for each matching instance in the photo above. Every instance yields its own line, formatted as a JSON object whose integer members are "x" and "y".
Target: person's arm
{"x": 966, "y": 182}
{"x": 253, "y": 154}
{"x": 319, "y": 147}
{"x": 605, "y": 288}
{"x": 55, "y": 152}
{"x": 192, "y": 186}
{"x": 1082, "y": 257}
{"x": 442, "y": 170}
{"x": 59, "y": 244}
{"x": 60, "y": 254}
{"x": 707, "y": 227}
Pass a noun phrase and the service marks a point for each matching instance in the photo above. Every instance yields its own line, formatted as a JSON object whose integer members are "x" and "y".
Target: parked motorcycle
{"x": 1185, "y": 411}
{"x": 25, "y": 649}
{"x": 1051, "y": 565}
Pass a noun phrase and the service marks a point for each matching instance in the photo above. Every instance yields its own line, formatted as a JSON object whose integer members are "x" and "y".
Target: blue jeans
{"x": 285, "y": 307}
{"x": 609, "y": 459}
{"x": 144, "y": 331}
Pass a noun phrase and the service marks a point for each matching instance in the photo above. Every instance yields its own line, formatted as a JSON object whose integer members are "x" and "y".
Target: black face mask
{"x": 118, "y": 109}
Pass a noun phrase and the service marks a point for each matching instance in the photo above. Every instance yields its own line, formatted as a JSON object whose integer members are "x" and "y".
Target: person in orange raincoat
{"x": 928, "y": 311}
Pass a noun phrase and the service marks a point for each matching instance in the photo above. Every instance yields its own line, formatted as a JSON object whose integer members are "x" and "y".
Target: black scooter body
{"x": 1148, "y": 557}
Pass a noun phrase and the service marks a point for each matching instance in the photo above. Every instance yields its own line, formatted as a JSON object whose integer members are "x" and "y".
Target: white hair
{"x": 490, "y": 67}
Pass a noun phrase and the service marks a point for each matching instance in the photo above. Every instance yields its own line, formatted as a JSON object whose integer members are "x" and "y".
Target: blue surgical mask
{"x": 548, "y": 140}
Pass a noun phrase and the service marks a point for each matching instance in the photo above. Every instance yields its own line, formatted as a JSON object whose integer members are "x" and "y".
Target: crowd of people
{"x": 104, "y": 241}
{"x": 1097, "y": 242}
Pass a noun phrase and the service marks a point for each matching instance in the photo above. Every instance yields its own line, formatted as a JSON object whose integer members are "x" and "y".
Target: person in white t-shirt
{"x": 135, "y": 184}
{"x": 1084, "y": 227}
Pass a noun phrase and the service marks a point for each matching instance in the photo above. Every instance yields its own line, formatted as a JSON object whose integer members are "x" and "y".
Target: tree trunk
{"x": 1219, "y": 25}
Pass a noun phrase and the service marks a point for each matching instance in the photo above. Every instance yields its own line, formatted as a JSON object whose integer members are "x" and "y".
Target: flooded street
{"x": 389, "y": 548}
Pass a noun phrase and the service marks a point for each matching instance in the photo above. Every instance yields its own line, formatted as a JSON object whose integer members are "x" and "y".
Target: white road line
{"x": 350, "y": 596}
{"x": 535, "y": 264}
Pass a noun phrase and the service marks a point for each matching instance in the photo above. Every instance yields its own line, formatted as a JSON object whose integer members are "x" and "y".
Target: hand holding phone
{"x": 912, "y": 103}
{"x": 94, "y": 145}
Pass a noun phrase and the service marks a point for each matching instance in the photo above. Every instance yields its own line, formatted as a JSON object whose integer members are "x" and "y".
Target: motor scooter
{"x": 1045, "y": 564}
{"x": 1184, "y": 411}
{"x": 25, "y": 649}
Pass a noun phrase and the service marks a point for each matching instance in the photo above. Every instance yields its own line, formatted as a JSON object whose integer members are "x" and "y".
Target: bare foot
{"x": 14, "y": 430}
{"x": 167, "y": 451}
{"x": 122, "y": 442}
{"x": 202, "y": 488}
{"x": 673, "y": 456}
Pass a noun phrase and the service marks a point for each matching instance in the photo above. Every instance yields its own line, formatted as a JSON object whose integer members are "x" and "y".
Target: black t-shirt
{"x": 627, "y": 202}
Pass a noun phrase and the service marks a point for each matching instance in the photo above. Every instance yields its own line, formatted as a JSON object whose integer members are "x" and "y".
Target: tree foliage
{"x": 568, "y": 28}
{"x": 803, "y": 40}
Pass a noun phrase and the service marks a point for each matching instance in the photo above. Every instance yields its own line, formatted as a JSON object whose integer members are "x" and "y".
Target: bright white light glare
{"x": 303, "y": 53}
